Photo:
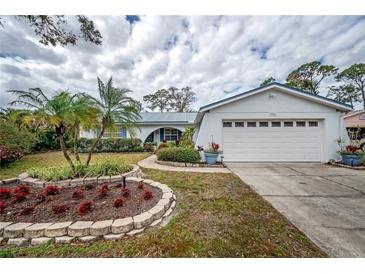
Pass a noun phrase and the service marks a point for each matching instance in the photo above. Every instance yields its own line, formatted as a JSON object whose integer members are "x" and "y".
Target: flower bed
{"x": 179, "y": 164}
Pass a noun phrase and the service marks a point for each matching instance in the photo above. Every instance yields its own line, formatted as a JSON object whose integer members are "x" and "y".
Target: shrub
{"x": 47, "y": 140}
{"x": 86, "y": 207}
{"x": 51, "y": 173}
{"x": 19, "y": 197}
{"x": 179, "y": 154}
{"x": 140, "y": 185}
{"x": 147, "y": 195}
{"x": 27, "y": 210}
{"x": 126, "y": 192}
{"x": 5, "y": 193}
{"x": 118, "y": 202}
{"x": 77, "y": 194}
{"x": 103, "y": 191}
{"x": 187, "y": 138}
{"x": 9, "y": 155}
{"x": 58, "y": 209}
{"x": 52, "y": 190}
{"x": 163, "y": 145}
{"x": 108, "y": 168}
{"x": 3, "y": 206}
{"x": 22, "y": 189}
{"x": 112, "y": 145}
{"x": 149, "y": 146}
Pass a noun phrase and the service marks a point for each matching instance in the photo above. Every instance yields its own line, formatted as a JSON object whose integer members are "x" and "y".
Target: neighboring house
{"x": 271, "y": 123}
{"x": 355, "y": 125}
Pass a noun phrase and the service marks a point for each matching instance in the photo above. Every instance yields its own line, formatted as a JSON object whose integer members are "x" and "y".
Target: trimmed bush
{"x": 112, "y": 145}
{"x": 9, "y": 155}
{"x": 178, "y": 154}
{"x": 47, "y": 140}
{"x": 149, "y": 146}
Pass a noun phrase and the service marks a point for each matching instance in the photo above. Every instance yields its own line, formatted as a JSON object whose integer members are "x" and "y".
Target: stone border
{"x": 84, "y": 231}
{"x": 179, "y": 164}
{"x": 338, "y": 164}
{"x": 135, "y": 172}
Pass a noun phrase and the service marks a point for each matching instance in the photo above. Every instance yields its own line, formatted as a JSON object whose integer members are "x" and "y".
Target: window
{"x": 251, "y": 124}
{"x": 264, "y": 124}
{"x": 171, "y": 134}
{"x": 300, "y": 123}
{"x": 276, "y": 124}
{"x": 288, "y": 124}
{"x": 239, "y": 124}
{"x": 313, "y": 123}
{"x": 227, "y": 124}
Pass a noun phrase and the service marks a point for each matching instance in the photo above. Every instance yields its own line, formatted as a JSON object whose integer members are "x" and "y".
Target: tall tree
{"x": 54, "y": 112}
{"x": 347, "y": 94}
{"x": 309, "y": 76}
{"x": 182, "y": 100}
{"x": 354, "y": 75}
{"x": 267, "y": 81}
{"x": 53, "y": 29}
{"x": 159, "y": 100}
{"x": 114, "y": 105}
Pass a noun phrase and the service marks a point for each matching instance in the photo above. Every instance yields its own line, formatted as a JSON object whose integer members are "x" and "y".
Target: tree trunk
{"x": 60, "y": 134}
{"x": 96, "y": 143}
{"x": 76, "y": 147}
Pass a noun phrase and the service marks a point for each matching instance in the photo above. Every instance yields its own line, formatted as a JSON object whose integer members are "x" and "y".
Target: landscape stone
{"x": 3, "y": 225}
{"x": 15, "y": 230}
{"x": 86, "y": 239}
{"x": 116, "y": 178}
{"x": 142, "y": 220}
{"x": 40, "y": 241}
{"x": 101, "y": 228}
{"x": 173, "y": 204}
{"x": 134, "y": 179}
{"x": 64, "y": 239}
{"x": 122, "y": 225}
{"x": 57, "y": 229}
{"x": 156, "y": 222}
{"x": 168, "y": 212}
{"x": 157, "y": 212}
{"x": 113, "y": 237}
{"x": 79, "y": 228}
{"x": 23, "y": 175}
{"x": 17, "y": 241}
{"x": 135, "y": 232}
{"x": 103, "y": 179}
{"x": 36, "y": 230}
{"x": 165, "y": 203}
{"x": 167, "y": 195}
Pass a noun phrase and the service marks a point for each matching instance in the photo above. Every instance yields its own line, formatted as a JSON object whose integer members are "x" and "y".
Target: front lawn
{"x": 217, "y": 216}
{"x": 55, "y": 158}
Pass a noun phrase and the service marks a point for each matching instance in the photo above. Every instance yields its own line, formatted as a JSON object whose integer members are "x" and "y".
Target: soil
{"x": 103, "y": 207}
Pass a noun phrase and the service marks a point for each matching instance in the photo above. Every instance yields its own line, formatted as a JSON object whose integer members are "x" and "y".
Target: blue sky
{"x": 216, "y": 55}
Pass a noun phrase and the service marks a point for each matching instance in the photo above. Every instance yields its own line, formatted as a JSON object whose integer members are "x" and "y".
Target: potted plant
{"x": 351, "y": 154}
{"x": 211, "y": 154}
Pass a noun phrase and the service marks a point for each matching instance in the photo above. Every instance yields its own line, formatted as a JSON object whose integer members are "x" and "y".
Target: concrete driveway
{"x": 326, "y": 203}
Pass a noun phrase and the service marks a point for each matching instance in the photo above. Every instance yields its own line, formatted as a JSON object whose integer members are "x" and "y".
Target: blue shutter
{"x": 123, "y": 133}
{"x": 162, "y": 135}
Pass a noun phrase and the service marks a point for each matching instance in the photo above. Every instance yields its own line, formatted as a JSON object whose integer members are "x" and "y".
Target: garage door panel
{"x": 272, "y": 143}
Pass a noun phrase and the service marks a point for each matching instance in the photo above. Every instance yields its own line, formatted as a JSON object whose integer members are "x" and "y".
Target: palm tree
{"x": 114, "y": 105}
{"x": 54, "y": 112}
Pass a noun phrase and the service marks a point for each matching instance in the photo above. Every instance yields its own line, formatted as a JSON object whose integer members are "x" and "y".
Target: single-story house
{"x": 270, "y": 123}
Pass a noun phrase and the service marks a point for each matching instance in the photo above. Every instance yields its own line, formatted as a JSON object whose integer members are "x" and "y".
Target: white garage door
{"x": 289, "y": 140}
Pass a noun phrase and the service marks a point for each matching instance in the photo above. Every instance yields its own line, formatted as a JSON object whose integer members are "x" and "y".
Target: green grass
{"x": 217, "y": 215}
{"x": 54, "y": 159}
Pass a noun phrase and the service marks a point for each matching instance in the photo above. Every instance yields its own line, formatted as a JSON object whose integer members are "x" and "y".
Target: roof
{"x": 167, "y": 117}
{"x": 285, "y": 88}
{"x": 356, "y": 112}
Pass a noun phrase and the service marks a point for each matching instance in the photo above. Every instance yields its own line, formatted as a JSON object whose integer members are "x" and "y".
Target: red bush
{"x": 27, "y": 210}
{"x": 118, "y": 202}
{"x": 19, "y": 197}
{"x": 22, "y": 189}
{"x": 77, "y": 194}
{"x": 3, "y": 206}
{"x": 85, "y": 207}
{"x": 52, "y": 190}
{"x": 103, "y": 191}
{"x": 41, "y": 197}
{"x": 58, "y": 209}
{"x": 5, "y": 193}
{"x": 140, "y": 185}
{"x": 89, "y": 187}
{"x": 147, "y": 195}
{"x": 125, "y": 192}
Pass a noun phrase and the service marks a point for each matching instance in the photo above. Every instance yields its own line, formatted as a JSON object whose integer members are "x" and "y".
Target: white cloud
{"x": 212, "y": 54}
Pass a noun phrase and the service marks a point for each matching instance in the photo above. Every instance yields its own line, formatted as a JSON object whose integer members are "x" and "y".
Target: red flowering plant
{"x": 213, "y": 148}
{"x": 147, "y": 195}
{"x": 86, "y": 207}
{"x": 41, "y": 197}
{"x": 126, "y": 192}
{"x": 352, "y": 148}
{"x": 27, "y": 210}
{"x": 19, "y": 197}
{"x": 5, "y": 193}
{"x": 3, "y": 206}
{"x": 58, "y": 209}
{"x": 77, "y": 194}
{"x": 52, "y": 190}
{"x": 23, "y": 189}
{"x": 140, "y": 185}
{"x": 103, "y": 191}
{"x": 118, "y": 202}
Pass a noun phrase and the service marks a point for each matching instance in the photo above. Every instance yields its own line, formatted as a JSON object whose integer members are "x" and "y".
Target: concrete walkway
{"x": 149, "y": 162}
{"x": 327, "y": 203}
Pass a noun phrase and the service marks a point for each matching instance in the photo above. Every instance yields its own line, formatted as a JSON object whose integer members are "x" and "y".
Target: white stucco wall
{"x": 281, "y": 106}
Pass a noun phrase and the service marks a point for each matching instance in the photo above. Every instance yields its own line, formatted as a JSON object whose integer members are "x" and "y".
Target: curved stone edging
{"x": 64, "y": 232}
{"x": 180, "y": 164}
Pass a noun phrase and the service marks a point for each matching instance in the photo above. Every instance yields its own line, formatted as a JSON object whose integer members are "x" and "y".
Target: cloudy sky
{"x": 217, "y": 56}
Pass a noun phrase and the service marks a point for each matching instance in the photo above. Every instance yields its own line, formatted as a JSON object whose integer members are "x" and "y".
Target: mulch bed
{"x": 103, "y": 207}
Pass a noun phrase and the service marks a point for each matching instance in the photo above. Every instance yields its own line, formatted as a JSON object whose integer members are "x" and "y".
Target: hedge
{"x": 178, "y": 154}
{"x": 112, "y": 145}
